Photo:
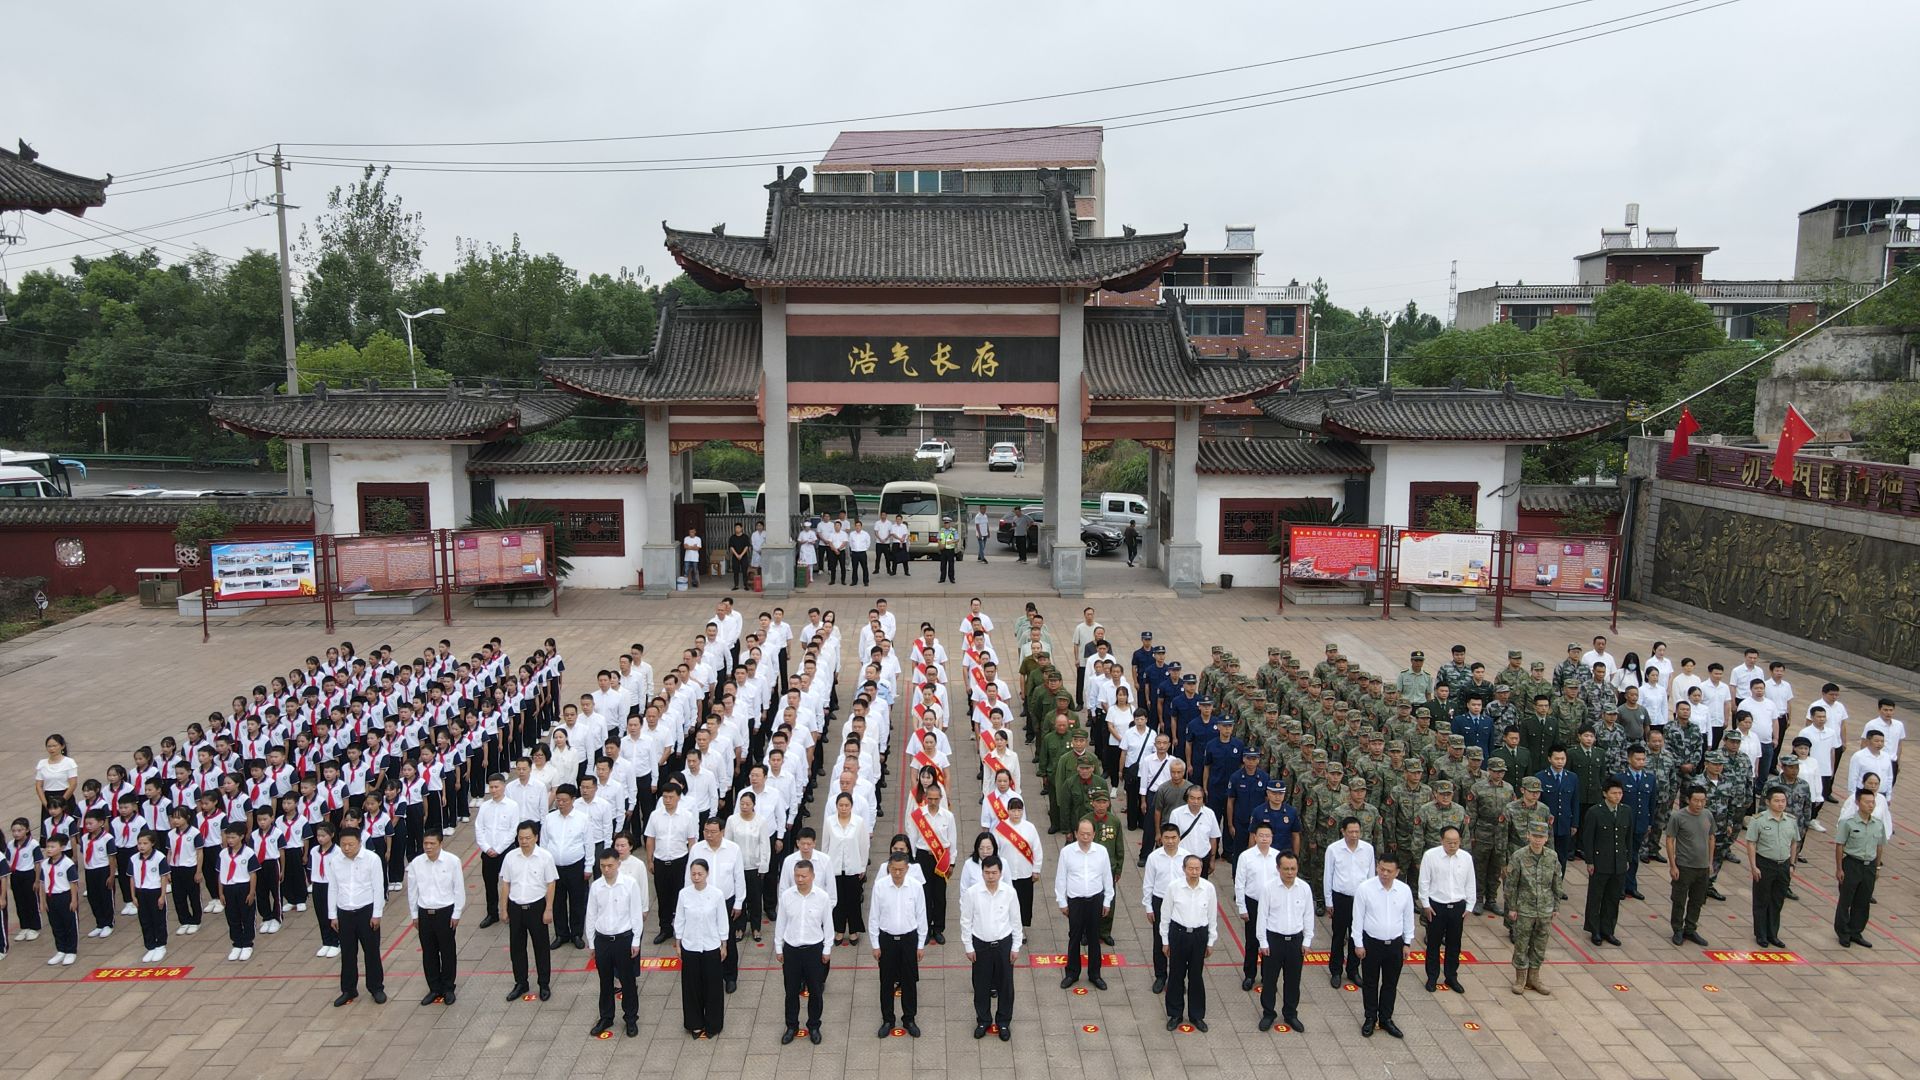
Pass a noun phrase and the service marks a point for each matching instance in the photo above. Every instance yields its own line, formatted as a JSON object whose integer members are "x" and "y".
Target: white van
{"x": 718, "y": 496}
{"x": 1120, "y": 507}
{"x": 21, "y": 482}
{"x": 923, "y": 502}
{"x": 816, "y": 501}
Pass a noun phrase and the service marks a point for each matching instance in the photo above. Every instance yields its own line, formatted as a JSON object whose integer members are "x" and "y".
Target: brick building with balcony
{"x": 1657, "y": 258}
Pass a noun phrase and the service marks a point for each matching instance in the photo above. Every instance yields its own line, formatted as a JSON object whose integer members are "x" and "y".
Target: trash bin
{"x": 1226, "y": 581}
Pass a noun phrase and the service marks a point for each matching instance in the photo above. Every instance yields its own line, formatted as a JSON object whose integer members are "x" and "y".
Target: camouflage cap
{"x": 1443, "y": 787}
{"x": 1423, "y": 711}
{"x": 1216, "y": 649}
{"x": 1474, "y": 753}
{"x": 1442, "y": 727}
{"x": 1334, "y": 768}
{"x": 1716, "y": 757}
{"x": 1539, "y": 665}
{"x": 1529, "y": 783}
{"x": 1539, "y": 828}
{"x": 1331, "y": 647}
{"x": 1513, "y": 654}
{"x": 1502, "y": 688}
{"x": 1396, "y": 747}
{"x": 1356, "y": 784}
{"x": 1496, "y": 763}
{"x": 1319, "y": 757}
{"x": 1273, "y": 650}
{"x": 1573, "y": 646}
{"x": 1414, "y": 766}
{"x": 1789, "y": 759}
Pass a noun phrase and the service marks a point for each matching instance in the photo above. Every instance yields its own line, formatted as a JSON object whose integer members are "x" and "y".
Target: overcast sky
{"x": 1724, "y": 123}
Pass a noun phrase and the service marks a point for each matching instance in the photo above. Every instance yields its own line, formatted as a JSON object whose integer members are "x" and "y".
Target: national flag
{"x": 1795, "y": 433}
{"x": 1685, "y": 429}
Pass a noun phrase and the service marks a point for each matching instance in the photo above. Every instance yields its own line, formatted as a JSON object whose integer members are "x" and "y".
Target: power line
{"x": 967, "y": 108}
{"x": 125, "y": 247}
{"x": 84, "y": 239}
{"x": 1022, "y": 135}
{"x": 183, "y": 183}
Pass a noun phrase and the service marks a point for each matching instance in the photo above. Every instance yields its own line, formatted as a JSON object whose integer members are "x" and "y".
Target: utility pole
{"x": 1386, "y": 347}
{"x": 296, "y": 453}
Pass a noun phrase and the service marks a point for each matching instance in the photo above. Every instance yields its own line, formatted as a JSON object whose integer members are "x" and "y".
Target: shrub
{"x": 386, "y": 516}
{"x": 870, "y": 473}
{"x": 1451, "y": 514}
{"x": 203, "y": 523}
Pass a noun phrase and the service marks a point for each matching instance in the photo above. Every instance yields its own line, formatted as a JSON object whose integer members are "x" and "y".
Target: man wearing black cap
{"x": 1216, "y": 761}
{"x": 1142, "y": 660}
{"x": 1246, "y": 791}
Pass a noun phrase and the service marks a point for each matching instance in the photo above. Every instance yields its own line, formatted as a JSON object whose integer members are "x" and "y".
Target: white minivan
{"x": 817, "y": 501}
{"x": 923, "y": 503}
{"x": 20, "y": 482}
{"x": 718, "y": 496}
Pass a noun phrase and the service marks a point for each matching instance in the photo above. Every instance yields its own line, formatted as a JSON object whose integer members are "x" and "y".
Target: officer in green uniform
{"x": 1414, "y": 683}
{"x": 1437, "y": 816}
{"x": 1520, "y": 760}
{"x": 1054, "y": 743}
{"x": 1067, "y": 774}
{"x": 1108, "y": 833}
{"x": 1586, "y": 761}
{"x": 1076, "y": 793}
{"x": 1486, "y": 801}
{"x": 1532, "y": 898}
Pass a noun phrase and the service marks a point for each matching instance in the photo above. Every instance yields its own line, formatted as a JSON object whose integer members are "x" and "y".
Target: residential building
{"x": 1227, "y": 310}
{"x": 1652, "y": 257}
{"x": 971, "y": 161}
{"x": 1858, "y": 240}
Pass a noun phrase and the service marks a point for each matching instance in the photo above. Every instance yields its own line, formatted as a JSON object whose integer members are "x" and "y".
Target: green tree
{"x": 1451, "y": 513}
{"x": 1898, "y": 305}
{"x": 1641, "y": 338}
{"x": 361, "y": 252}
{"x": 854, "y": 421}
{"x": 383, "y": 358}
{"x": 1889, "y": 425}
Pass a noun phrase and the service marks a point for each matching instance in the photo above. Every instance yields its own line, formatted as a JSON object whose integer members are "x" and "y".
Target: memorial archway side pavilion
{"x": 968, "y": 301}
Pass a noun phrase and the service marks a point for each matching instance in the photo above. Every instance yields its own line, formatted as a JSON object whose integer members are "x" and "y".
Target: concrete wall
{"x": 1396, "y": 466}
{"x": 1643, "y": 456}
{"x": 1251, "y": 570}
{"x": 1819, "y": 255}
{"x": 442, "y": 467}
{"x": 1829, "y": 373}
{"x": 591, "y": 572}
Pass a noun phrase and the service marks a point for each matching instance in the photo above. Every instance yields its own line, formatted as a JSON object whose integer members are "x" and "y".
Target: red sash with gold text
{"x": 942, "y": 858}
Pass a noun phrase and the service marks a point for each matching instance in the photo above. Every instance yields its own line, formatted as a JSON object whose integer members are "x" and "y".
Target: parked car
{"x": 1004, "y": 455}
{"x": 1099, "y": 538}
{"x": 1120, "y": 507}
{"x": 938, "y": 451}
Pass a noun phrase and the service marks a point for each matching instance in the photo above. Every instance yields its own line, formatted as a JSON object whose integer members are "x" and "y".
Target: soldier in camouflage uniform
{"x": 1567, "y": 670}
{"x": 1437, "y": 816}
{"x": 1729, "y": 800}
{"x": 1502, "y": 711}
{"x": 1514, "y": 674}
{"x": 1486, "y": 802}
{"x": 1323, "y": 670}
{"x": 1595, "y": 692}
{"x": 1532, "y": 899}
{"x": 1569, "y": 712}
{"x": 1272, "y": 673}
{"x": 1666, "y": 774}
{"x": 1456, "y": 673}
{"x": 1377, "y": 768}
{"x": 1611, "y": 740}
{"x": 1401, "y": 808}
{"x": 1357, "y": 806}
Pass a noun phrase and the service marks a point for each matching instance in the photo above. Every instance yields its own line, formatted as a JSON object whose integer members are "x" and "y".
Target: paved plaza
{"x": 121, "y": 677}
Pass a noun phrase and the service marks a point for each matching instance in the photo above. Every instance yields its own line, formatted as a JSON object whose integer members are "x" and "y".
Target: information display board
{"x": 374, "y": 564}
{"x": 1554, "y": 564}
{"x": 262, "y": 569}
{"x": 1333, "y": 553}
{"x": 1460, "y": 560}
{"x": 499, "y": 557}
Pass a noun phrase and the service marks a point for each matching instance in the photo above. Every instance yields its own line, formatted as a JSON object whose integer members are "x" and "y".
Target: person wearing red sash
{"x": 993, "y": 806}
{"x": 1021, "y": 854}
{"x": 933, "y": 834}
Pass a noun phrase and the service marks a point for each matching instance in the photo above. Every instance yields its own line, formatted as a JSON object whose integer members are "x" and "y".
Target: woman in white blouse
{"x": 566, "y": 760}
{"x": 544, "y": 771}
{"x": 748, "y": 830}
{"x": 984, "y": 845}
{"x": 54, "y": 776}
{"x": 845, "y": 838}
{"x": 1882, "y": 807}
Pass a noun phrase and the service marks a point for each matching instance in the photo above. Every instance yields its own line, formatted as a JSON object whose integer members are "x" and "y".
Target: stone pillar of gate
{"x": 776, "y": 447}
{"x": 659, "y": 562}
{"x": 1183, "y": 546}
{"x": 1069, "y": 564}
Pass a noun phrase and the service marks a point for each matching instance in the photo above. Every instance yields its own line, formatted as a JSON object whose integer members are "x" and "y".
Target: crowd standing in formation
{"x": 1326, "y": 793}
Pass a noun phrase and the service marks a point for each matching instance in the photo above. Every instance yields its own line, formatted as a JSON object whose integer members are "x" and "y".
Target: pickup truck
{"x": 1120, "y": 507}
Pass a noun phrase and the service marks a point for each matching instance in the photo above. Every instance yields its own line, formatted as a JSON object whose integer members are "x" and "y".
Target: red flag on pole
{"x": 1685, "y": 429}
{"x": 1795, "y": 433}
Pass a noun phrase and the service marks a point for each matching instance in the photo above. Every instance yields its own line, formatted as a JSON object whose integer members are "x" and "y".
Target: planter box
{"x": 412, "y": 603}
{"x": 518, "y": 598}
{"x": 1327, "y": 595}
{"x": 189, "y": 606}
{"x": 1572, "y": 603}
{"x": 1422, "y": 600}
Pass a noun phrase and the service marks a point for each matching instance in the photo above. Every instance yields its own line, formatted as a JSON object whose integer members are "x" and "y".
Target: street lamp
{"x": 415, "y": 372}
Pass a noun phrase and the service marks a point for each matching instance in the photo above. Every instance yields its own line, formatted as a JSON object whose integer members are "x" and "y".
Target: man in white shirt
{"x": 529, "y": 794}
{"x": 1286, "y": 932}
{"x": 356, "y": 894}
{"x": 1250, "y": 873}
{"x": 1871, "y": 757}
{"x": 671, "y": 830}
{"x": 436, "y": 895}
{"x": 494, "y": 825}
{"x": 1199, "y": 826}
{"x": 991, "y": 931}
{"x": 1382, "y": 930}
{"x": 568, "y": 835}
{"x": 530, "y": 877}
{"x": 1189, "y": 924}
{"x": 1349, "y": 864}
{"x": 898, "y": 919}
{"x": 933, "y": 836}
{"x": 1717, "y": 695}
{"x": 1766, "y": 718}
{"x": 1448, "y": 891}
{"x": 616, "y": 910}
{"x": 1825, "y": 744}
{"x": 1162, "y": 870}
{"x": 1083, "y": 890}
{"x": 1599, "y": 655}
{"x": 802, "y": 948}
{"x": 1742, "y": 676}
{"x": 982, "y": 528}
{"x": 1893, "y": 731}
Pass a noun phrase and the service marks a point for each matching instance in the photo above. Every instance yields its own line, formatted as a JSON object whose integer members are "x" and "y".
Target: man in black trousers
{"x": 1382, "y": 930}
{"x": 801, "y": 948}
{"x": 898, "y": 920}
{"x": 990, "y": 929}
{"x": 615, "y": 907}
{"x": 1606, "y": 845}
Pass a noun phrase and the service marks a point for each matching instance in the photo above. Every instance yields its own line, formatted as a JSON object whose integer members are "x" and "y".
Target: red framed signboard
{"x": 1333, "y": 553}
{"x": 377, "y": 564}
{"x": 499, "y": 557}
{"x": 1560, "y": 564}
